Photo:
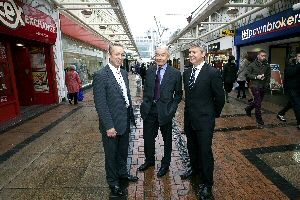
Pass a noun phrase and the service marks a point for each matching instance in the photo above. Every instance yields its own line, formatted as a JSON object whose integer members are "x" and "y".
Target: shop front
{"x": 218, "y": 51}
{"x": 27, "y": 70}
{"x": 278, "y": 35}
{"x": 87, "y": 58}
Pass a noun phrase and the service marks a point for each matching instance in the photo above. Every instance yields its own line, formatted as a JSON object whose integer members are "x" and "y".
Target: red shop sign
{"x": 19, "y": 19}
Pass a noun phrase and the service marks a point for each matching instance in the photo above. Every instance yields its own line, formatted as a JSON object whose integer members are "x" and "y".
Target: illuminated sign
{"x": 279, "y": 25}
{"x": 213, "y": 47}
{"x": 228, "y": 33}
{"x": 19, "y": 19}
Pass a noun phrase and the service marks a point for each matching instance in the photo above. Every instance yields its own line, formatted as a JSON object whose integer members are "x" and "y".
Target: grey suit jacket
{"x": 170, "y": 94}
{"x": 109, "y": 100}
{"x": 206, "y": 100}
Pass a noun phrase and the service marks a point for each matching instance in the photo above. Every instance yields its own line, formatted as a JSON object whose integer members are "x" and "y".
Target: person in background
{"x": 162, "y": 94}
{"x": 293, "y": 86}
{"x": 260, "y": 73}
{"x": 241, "y": 79}
{"x": 143, "y": 71}
{"x": 73, "y": 84}
{"x": 113, "y": 104}
{"x": 249, "y": 81}
{"x": 137, "y": 68}
{"x": 229, "y": 76}
{"x": 204, "y": 101}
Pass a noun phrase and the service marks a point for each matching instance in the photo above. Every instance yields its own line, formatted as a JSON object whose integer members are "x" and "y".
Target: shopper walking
{"x": 241, "y": 79}
{"x": 229, "y": 76}
{"x": 162, "y": 94}
{"x": 260, "y": 73}
{"x": 73, "y": 84}
{"x": 204, "y": 101}
{"x": 293, "y": 86}
{"x": 113, "y": 102}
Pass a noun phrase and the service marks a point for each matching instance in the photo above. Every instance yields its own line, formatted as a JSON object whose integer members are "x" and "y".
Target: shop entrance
{"x": 22, "y": 71}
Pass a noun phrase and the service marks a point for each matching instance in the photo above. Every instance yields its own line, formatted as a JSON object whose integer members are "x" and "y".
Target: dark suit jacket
{"x": 109, "y": 100}
{"x": 206, "y": 100}
{"x": 170, "y": 94}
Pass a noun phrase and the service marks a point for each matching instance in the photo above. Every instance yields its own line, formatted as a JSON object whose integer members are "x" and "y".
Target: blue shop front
{"x": 278, "y": 35}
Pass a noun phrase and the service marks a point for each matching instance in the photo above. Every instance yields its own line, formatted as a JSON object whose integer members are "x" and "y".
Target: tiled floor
{"x": 58, "y": 154}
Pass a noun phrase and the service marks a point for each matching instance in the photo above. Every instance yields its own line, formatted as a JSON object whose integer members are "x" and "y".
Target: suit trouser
{"x": 199, "y": 144}
{"x": 116, "y": 153}
{"x": 258, "y": 94}
{"x": 150, "y": 132}
{"x": 286, "y": 108}
{"x": 295, "y": 99}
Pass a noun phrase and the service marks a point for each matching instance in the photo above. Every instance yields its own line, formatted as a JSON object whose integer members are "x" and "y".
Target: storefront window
{"x": 86, "y": 58}
{"x": 6, "y": 94}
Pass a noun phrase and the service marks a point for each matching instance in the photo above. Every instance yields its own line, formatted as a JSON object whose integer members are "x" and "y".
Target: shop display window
{"x": 6, "y": 92}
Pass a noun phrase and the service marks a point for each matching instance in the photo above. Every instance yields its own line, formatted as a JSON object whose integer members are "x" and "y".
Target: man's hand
{"x": 111, "y": 132}
{"x": 261, "y": 77}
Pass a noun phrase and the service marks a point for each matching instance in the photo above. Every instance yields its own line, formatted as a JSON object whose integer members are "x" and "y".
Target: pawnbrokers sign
{"x": 19, "y": 19}
{"x": 278, "y": 25}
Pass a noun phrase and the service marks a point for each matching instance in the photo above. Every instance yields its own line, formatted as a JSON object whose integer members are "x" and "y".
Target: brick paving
{"x": 59, "y": 155}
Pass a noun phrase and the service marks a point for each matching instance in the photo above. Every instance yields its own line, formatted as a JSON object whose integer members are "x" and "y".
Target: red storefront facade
{"x": 27, "y": 69}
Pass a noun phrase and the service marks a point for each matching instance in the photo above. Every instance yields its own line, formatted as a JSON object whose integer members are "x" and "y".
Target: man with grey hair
{"x": 204, "y": 101}
{"x": 162, "y": 94}
{"x": 113, "y": 104}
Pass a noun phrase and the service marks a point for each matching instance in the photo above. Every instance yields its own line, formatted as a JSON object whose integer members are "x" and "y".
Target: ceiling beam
{"x": 86, "y": 8}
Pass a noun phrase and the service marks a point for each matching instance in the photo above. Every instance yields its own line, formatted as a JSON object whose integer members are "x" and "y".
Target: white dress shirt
{"x": 198, "y": 69}
{"x": 121, "y": 82}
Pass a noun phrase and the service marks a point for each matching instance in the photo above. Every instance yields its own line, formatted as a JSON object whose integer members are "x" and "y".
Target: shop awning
{"x": 73, "y": 29}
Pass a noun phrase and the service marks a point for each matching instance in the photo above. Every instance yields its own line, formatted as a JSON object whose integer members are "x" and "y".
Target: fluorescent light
{"x": 20, "y": 45}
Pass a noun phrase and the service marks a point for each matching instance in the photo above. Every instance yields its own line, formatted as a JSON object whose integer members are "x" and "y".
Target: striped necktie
{"x": 192, "y": 78}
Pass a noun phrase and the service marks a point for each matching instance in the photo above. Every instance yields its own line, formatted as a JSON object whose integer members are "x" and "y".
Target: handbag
{"x": 80, "y": 95}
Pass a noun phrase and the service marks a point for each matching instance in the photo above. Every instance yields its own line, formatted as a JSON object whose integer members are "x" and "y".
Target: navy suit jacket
{"x": 170, "y": 94}
{"x": 206, "y": 100}
{"x": 109, "y": 101}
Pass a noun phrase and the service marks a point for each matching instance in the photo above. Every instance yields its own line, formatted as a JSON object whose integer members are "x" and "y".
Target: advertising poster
{"x": 40, "y": 81}
{"x": 276, "y": 81}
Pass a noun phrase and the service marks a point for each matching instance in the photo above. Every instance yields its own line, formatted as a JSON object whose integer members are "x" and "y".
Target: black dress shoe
{"x": 116, "y": 190}
{"x": 144, "y": 166}
{"x": 205, "y": 194}
{"x": 189, "y": 173}
{"x": 248, "y": 112}
{"x": 260, "y": 121}
{"x": 70, "y": 102}
{"x": 131, "y": 178}
{"x": 298, "y": 127}
{"x": 162, "y": 171}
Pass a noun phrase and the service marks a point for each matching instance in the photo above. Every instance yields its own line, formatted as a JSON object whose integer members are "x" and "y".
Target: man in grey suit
{"x": 204, "y": 101}
{"x": 113, "y": 103}
{"x": 162, "y": 94}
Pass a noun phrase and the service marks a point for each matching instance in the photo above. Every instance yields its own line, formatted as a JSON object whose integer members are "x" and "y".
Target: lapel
{"x": 152, "y": 76}
{"x": 112, "y": 78}
{"x": 200, "y": 76}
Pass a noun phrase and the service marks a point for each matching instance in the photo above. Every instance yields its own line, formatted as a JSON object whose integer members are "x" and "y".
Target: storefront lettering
{"x": 37, "y": 23}
{"x": 271, "y": 26}
{"x": 11, "y": 14}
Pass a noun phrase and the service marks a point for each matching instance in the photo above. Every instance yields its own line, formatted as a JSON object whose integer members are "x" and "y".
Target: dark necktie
{"x": 157, "y": 85}
{"x": 192, "y": 78}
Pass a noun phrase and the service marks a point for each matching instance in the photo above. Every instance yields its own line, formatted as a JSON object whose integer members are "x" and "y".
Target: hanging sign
{"x": 228, "y": 33}
{"x": 19, "y": 19}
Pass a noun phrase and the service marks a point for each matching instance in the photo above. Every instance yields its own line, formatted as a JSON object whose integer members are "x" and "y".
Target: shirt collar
{"x": 114, "y": 69}
{"x": 200, "y": 66}
{"x": 164, "y": 67}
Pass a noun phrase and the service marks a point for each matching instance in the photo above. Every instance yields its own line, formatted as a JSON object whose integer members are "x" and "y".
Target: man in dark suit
{"x": 113, "y": 103}
{"x": 204, "y": 101}
{"x": 162, "y": 94}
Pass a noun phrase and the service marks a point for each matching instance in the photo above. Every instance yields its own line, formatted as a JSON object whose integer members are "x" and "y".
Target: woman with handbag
{"x": 73, "y": 84}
